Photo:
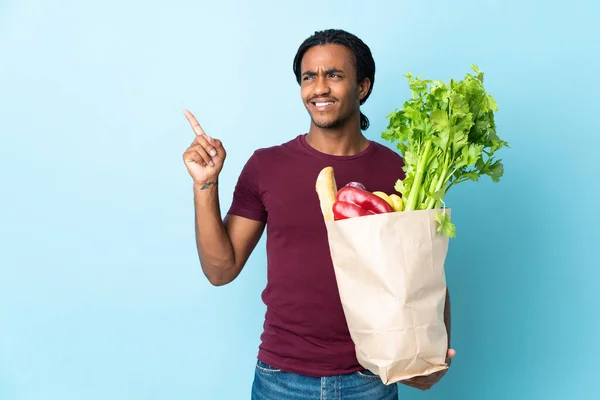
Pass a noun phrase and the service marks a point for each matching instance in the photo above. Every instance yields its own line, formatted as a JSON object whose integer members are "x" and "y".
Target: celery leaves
{"x": 446, "y": 133}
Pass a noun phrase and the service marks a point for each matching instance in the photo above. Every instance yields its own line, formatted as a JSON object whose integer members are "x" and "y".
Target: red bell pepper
{"x": 344, "y": 209}
{"x": 355, "y": 202}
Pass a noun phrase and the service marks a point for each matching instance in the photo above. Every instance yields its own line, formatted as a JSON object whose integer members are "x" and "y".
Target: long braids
{"x": 365, "y": 65}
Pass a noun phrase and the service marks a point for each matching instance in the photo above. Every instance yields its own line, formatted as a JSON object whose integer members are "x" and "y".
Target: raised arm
{"x": 224, "y": 246}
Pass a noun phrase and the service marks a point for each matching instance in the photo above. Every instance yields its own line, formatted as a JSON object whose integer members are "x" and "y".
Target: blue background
{"x": 101, "y": 293}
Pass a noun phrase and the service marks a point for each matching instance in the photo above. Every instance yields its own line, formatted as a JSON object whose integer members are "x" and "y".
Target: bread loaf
{"x": 327, "y": 190}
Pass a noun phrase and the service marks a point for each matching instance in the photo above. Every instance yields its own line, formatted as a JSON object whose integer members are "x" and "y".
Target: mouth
{"x": 322, "y": 105}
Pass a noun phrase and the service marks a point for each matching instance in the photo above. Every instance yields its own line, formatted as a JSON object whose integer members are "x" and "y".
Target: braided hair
{"x": 363, "y": 59}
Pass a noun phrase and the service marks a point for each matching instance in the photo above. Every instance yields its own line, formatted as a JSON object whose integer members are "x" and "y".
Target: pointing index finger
{"x": 194, "y": 123}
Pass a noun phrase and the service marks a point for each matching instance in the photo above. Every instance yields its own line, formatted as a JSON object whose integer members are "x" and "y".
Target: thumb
{"x": 216, "y": 143}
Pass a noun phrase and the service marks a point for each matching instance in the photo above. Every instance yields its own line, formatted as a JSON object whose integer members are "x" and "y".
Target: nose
{"x": 321, "y": 85}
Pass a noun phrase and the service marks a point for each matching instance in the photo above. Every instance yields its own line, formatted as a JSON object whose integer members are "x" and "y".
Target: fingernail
{"x": 211, "y": 163}
{"x": 212, "y": 152}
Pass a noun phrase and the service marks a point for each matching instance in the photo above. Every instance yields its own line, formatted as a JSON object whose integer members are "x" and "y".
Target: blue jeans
{"x": 273, "y": 384}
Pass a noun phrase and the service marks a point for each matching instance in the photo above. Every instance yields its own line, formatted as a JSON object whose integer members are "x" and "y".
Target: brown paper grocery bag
{"x": 390, "y": 274}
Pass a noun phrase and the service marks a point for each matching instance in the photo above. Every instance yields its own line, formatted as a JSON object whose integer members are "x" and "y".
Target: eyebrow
{"x": 327, "y": 71}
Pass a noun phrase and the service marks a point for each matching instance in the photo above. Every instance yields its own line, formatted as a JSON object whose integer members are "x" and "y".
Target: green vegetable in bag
{"x": 447, "y": 135}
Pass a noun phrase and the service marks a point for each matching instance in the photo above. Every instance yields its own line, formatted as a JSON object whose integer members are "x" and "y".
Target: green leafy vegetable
{"x": 447, "y": 135}
{"x": 445, "y": 226}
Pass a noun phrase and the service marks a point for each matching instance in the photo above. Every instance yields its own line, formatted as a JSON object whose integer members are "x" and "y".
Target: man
{"x": 306, "y": 351}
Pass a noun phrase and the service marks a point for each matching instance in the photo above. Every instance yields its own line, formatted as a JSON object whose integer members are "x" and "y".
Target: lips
{"x": 322, "y": 104}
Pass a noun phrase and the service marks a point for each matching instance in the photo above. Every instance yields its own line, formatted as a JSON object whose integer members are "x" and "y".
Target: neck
{"x": 340, "y": 141}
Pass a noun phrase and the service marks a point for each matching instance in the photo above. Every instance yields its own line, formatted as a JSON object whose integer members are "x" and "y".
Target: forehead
{"x": 328, "y": 56}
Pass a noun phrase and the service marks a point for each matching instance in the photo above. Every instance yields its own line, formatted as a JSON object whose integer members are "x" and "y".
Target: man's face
{"x": 329, "y": 88}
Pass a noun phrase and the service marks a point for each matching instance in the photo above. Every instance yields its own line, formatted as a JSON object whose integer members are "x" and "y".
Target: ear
{"x": 363, "y": 88}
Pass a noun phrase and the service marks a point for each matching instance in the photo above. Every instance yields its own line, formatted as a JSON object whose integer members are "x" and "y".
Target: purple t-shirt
{"x": 305, "y": 330}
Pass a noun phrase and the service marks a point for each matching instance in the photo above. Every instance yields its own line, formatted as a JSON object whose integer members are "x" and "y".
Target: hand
{"x": 205, "y": 157}
{"x": 426, "y": 382}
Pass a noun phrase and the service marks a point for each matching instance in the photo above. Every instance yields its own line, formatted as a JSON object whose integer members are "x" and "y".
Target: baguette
{"x": 327, "y": 190}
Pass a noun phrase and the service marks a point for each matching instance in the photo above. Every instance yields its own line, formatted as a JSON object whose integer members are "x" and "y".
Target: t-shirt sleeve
{"x": 247, "y": 199}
